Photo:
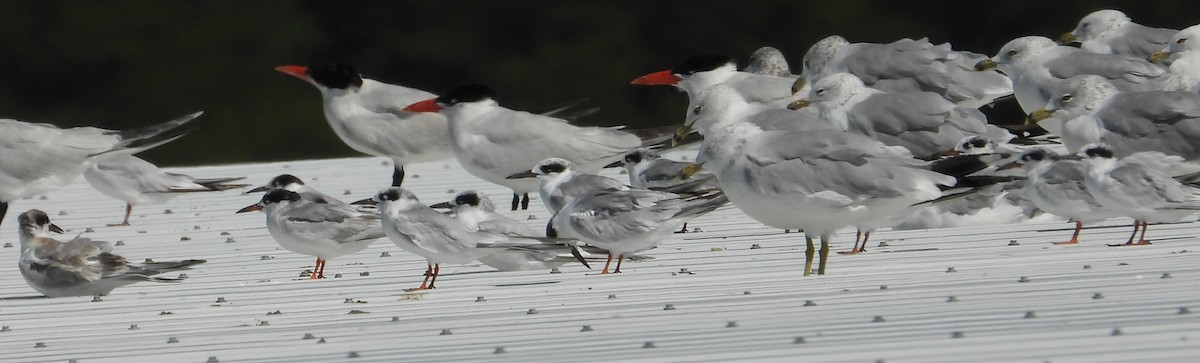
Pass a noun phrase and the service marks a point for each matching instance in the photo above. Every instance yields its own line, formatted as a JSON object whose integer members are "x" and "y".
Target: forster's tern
{"x": 136, "y": 181}
{"x": 1037, "y": 65}
{"x": 493, "y": 142}
{"x": 367, "y": 116}
{"x": 560, "y": 181}
{"x": 292, "y": 183}
{"x": 477, "y": 212}
{"x": 421, "y": 230}
{"x": 1136, "y": 190}
{"x": 41, "y": 157}
{"x": 81, "y": 266}
{"x": 1112, "y": 32}
{"x": 1056, "y": 185}
{"x": 316, "y": 229}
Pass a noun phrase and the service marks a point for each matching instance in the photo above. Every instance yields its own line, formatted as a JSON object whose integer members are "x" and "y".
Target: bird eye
{"x": 1012, "y": 52}
{"x": 1066, "y": 98}
{"x": 1181, "y": 41}
{"x": 1084, "y": 25}
{"x": 698, "y": 109}
{"x": 820, "y": 92}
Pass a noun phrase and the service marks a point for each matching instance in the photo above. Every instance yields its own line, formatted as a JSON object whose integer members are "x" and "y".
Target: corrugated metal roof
{"x": 998, "y": 293}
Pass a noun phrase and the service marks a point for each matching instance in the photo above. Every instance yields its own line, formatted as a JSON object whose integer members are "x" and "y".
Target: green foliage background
{"x": 126, "y": 63}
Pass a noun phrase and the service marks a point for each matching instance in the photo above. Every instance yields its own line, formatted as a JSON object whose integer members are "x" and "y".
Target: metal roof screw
{"x": 347, "y": 192}
{"x": 684, "y": 270}
{"x": 731, "y": 324}
{"x": 1013, "y": 242}
{"x": 5, "y": 329}
{"x": 878, "y": 319}
{"x": 956, "y": 335}
{"x": 1166, "y": 275}
{"x": 755, "y": 246}
{"x": 586, "y": 328}
{"x": 39, "y": 345}
{"x": 224, "y": 233}
{"x": 276, "y": 312}
{"x": 168, "y": 211}
{"x": 356, "y": 311}
{"x": 555, "y": 270}
{"x": 480, "y": 299}
{"x": 172, "y": 340}
{"x": 1097, "y": 296}
{"x": 952, "y": 299}
{"x": 809, "y": 303}
{"x": 337, "y": 276}
{"x": 747, "y": 292}
{"x": 799, "y": 340}
{"x": 883, "y": 244}
{"x": 133, "y": 327}
{"x": 1116, "y": 332}
{"x": 308, "y": 336}
{"x": 229, "y": 240}
{"x": 951, "y": 269}
{"x": 97, "y": 298}
{"x": 221, "y": 300}
{"x": 88, "y": 230}
{"x": 883, "y": 287}
{"x": 531, "y": 311}
{"x": 364, "y": 273}
{"x": 43, "y": 198}
{"x": 63, "y": 213}
{"x": 649, "y": 345}
{"x": 305, "y": 273}
{"x": 352, "y": 355}
{"x": 612, "y": 296}
{"x": 669, "y": 307}
{"x": 499, "y": 350}
{"x": 8, "y": 245}
{"x": 183, "y": 276}
{"x": 1030, "y": 315}
{"x": 212, "y": 359}
{"x": 196, "y": 228}
{"x": 348, "y": 301}
{"x": 264, "y": 257}
{"x": 321, "y": 341}
{"x": 1184, "y": 310}
{"x": 185, "y": 238}
{"x": 1023, "y": 279}
{"x": 164, "y": 312}
{"x": 696, "y": 230}
{"x": 1087, "y": 267}
{"x": 385, "y": 254}
{"x": 531, "y": 217}
{"x": 263, "y": 323}
{"x": 120, "y": 243}
{"x": 445, "y": 332}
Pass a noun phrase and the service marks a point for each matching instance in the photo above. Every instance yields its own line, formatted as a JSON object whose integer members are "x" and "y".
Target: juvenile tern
{"x": 1137, "y": 190}
{"x": 136, "y": 181}
{"x": 316, "y": 229}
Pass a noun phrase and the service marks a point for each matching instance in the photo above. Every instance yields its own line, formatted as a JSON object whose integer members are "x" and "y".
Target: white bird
{"x": 81, "y": 266}
{"x": 1092, "y": 110}
{"x": 906, "y": 65}
{"x": 1110, "y": 31}
{"x": 416, "y": 228}
{"x": 647, "y": 169}
{"x": 136, "y": 181}
{"x": 769, "y": 61}
{"x": 316, "y": 229}
{"x": 1056, "y": 185}
{"x": 1037, "y": 65}
{"x": 477, "y": 212}
{"x": 560, "y": 181}
{"x": 700, "y": 72}
{"x": 922, "y": 122}
{"x": 1183, "y": 60}
{"x": 1136, "y": 190}
{"x": 368, "y": 115}
{"x": 627, "y": 221}
{"x": 41, "y": 157}
{"x": 493, "y": 142}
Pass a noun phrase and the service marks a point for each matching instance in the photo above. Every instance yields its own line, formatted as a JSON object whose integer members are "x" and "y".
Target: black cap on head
{"x": 977, "y": 142}
{"x": 334, "y": 74}
{"x": 467, "y": 198}
{"x": 279, "y": 195}
{"x": 283, "y": 180}
{"x": 552, "y": 167}
{"x": 391, "y": 194}
{"x": 34, "y": 217}
{"x": 1099, "y": 151}
{"x": 1036, "y": 154}
{"x": 467, "y": 93}
{"x": 701, "y": 63}
{"x": 633, "y": 157}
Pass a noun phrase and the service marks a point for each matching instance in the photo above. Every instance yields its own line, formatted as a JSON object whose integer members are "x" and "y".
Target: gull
{"x": 1110, "y": 31}
{"x": 367, "y": 115}
{"x": 477, "y": 212}
{"x": 417, "y": 228}
{"x": 136, "y": 181}
{"x": 1056, "y": 185}
{"x": 1091, "y": 110}
{"x": 769, "y": 61}
{"x": 922, "y": 122}
{"x": 627, "y": 221}
{"x": 1183, "y": 60}
{"x": 80, "y": 266}
{"x": 316, "y": 229}
{"x": 1037, "y": 65}
{"x": 41, "y": 157}
{"x": 1136, "y": 190}
{"x": 493, "y": 142}
{"x": 906, "y": 65}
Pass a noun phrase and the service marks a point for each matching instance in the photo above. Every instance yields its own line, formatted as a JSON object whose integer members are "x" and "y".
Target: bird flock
{"x": 868, "y": 135}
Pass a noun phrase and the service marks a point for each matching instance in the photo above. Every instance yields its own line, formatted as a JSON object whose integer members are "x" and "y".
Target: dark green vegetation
{"x": 127, "y": 63}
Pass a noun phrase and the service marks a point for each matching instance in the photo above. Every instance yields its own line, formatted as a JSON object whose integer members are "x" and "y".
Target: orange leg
{"x": 606, "y": 263}
{"x": 1142, "y": 239}
{"x": 1075, "y": 237}
{"x": 318, "y": 270}
{"x": 619, "y": 259}
{"x": 437, "y": 269}
{"x": 128, "y": 211}
{"x": 856, "y": 250}
{"x": 428, "y": 273}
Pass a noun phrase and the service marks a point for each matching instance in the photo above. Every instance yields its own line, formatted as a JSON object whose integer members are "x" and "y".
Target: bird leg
{"x": 825, "y": 254}
{"x": 128, "y": 211}
{"x": 516, "y": 201}
{"x": 855, "y": 250}
{"x": 1136, "y": 225}
{"x": 1075, "y": 237}
{"x": 428, "y": 273}
{"x": 3, "y": 210}
{"x": 437, "y": 269}
{"x": 620, "y": 258}
{"x": 318, "y": 270}
{"x": 1142, "y": 239}
{"x": 606, "y": 263}
{"x": 683, "y": 230}
{"x": 397, "y": 174}
{"x": 525, "y": 202}
{"x": 808, "y": 255}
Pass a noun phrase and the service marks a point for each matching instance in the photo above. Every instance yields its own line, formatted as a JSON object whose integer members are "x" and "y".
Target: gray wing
{"x": 1141, "y": 40}
{"x": 1163, "y": 121}
{"x": 917, "y": 121}
{"x": 1065, "y": 179}
{"x": 78, "y": 259}
{"x": 618, "y": 215}
{"x": 1124, "y": 70}
{"x": 332, "y": 222}
{"x": 147, "y": 176}
{"x": 519, "y": 140}
{"x": 1150, "y": 186}
{"x": 433, "y": 231}
{"x": 500, "y": 224}
{"x": 579, "y": 185}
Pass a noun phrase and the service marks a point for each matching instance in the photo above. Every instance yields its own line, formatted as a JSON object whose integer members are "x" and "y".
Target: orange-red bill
{"x": 429, "y": 105}
{"x": 663, "y": 78}
{"x": 300, "y": 72}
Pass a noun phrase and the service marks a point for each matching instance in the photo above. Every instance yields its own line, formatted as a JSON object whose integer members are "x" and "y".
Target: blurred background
{"x": 121, "y": 64}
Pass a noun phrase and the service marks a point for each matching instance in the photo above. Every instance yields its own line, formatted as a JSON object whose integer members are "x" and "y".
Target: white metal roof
{"x": 988, "y": 293}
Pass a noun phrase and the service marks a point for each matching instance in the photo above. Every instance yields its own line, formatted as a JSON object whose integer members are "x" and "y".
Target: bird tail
{"x": 217, "y": 184}
{"x": 700, "y": 204}
{"x": 143, "y": 138}
{"x": 155, "y": 268}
